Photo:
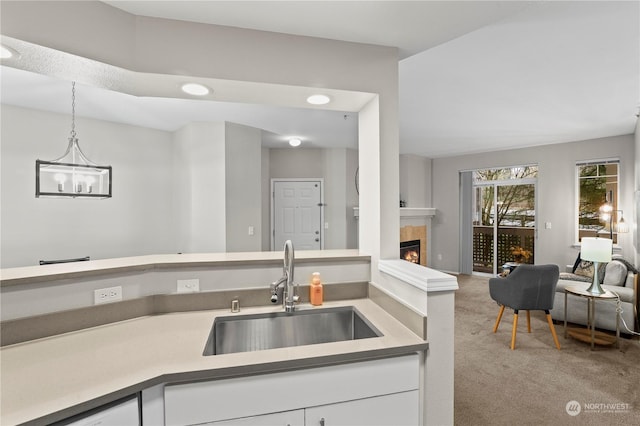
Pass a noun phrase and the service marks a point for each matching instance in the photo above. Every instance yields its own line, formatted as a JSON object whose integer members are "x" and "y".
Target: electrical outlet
{"x": 188, "y": 286}
{"x": 106, "y": 295}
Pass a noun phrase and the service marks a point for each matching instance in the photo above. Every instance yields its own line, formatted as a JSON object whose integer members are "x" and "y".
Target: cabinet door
{"x": 126, "y": 413}
{"x": 397, "y": 409}
{"x": 210, "y": 401}
{"x": 287, "y": 418}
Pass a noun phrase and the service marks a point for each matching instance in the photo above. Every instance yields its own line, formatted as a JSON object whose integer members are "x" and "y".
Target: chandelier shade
{"x": 73, "y": 174}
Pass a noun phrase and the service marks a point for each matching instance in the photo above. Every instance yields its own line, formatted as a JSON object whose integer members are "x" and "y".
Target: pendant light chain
{"x": 73, "y": 109}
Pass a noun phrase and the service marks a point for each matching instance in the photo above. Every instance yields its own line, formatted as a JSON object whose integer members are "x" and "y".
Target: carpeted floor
{"x": 533, "y": 384}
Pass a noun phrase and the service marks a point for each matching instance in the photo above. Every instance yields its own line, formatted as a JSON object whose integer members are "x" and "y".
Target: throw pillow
{"x": 615, "y": 273}
{"x": 584, "y": 268}
{"x": 626, "y": 263}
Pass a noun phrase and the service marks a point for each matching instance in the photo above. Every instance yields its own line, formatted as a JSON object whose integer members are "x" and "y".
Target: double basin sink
{"x": 245, "y": 333}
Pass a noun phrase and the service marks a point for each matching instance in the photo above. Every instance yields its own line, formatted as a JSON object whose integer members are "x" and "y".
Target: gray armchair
{"x": 527, "y": 287}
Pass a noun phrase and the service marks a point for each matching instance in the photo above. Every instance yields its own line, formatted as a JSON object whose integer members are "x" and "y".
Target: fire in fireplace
{"x": 410, "y": 251}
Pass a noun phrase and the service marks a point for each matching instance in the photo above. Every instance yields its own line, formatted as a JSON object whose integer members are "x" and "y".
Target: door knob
{"x": 317, "y": 239}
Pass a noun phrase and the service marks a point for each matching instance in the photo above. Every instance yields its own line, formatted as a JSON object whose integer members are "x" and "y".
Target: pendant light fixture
{"x": 72, "y": 175}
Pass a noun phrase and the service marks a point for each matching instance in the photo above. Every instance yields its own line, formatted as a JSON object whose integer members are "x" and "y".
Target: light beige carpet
{"x": 534, "y": 384}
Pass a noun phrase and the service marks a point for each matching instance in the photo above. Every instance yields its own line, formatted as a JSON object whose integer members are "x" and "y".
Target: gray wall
{"x": 134, "y": 221}
{"x": 415, "y": 178}
{"x": 198, "y": 199}
{"x": 636, "y": 200}
{"x": 243, "y": 177}
{"x": 195, "y": 190}
{"x": 556, "y": 202}
{"x": 336, "y": 167}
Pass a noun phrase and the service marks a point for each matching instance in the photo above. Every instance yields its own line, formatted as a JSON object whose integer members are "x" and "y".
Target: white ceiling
{"x": 474, "y": 76}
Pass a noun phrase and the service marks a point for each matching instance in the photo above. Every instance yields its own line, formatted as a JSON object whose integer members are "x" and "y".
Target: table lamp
{"x": 596, "y": 250}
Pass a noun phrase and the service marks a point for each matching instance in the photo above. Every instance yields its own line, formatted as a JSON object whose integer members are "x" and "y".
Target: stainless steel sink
{"x": 245, "y": 333}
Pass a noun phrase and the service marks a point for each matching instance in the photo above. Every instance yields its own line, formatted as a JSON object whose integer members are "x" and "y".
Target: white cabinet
{"x": 288, "y": 418}
{"x": 379, "y": 390}
{"x": 125, "y": 413}
{"x": 398, "y": 409}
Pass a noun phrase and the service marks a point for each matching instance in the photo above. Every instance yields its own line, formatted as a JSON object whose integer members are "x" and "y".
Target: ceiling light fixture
{"x": 318, "y": 99}
{"x": 195, "y": 89}
{"x": 72, "y": 175}
{"x": 295, "y": 142}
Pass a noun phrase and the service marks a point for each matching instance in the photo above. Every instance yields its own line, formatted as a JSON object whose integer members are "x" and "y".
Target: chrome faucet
{"x": 285, "y": 284}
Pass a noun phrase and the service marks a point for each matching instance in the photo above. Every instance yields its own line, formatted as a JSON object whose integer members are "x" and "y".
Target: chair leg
{"x": 495, "y": 327}
{"x": 529, "y": 321}
{"x": 553, "y": 329}
{"x": 514, "y": 329}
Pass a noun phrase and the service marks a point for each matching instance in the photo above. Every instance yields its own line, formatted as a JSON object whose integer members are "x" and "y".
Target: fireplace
{"x": 410, "y": 251}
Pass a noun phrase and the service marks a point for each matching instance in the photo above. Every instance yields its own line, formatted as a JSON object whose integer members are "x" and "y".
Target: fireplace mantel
{"x": 407, "y": 211}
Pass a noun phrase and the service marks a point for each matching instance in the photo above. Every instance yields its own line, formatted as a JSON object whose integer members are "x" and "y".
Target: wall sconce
{"x": 72, "y": 175}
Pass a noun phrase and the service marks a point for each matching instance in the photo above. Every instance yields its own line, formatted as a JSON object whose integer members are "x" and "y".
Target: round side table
{"x": 590, "y": 335}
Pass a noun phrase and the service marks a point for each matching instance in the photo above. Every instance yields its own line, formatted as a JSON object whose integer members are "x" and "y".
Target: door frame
{"x": 272, "y": 232}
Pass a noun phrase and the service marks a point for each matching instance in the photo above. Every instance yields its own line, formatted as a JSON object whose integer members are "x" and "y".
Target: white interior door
{"x": 297, "y": 214}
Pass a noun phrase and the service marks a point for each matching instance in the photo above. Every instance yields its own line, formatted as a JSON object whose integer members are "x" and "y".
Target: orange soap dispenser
{"x": 315, "y": 290}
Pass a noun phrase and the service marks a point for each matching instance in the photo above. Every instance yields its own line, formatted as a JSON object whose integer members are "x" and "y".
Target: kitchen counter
{"x": 53, "y": 378}
{"x": 60, "y": 271}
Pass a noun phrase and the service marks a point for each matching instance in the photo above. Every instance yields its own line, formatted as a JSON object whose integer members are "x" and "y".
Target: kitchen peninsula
{"x": 155, "y": 337}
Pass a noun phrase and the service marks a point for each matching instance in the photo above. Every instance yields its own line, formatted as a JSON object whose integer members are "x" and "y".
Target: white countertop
{"x": 38, "y": 273}
{"x": 54, "y": 374}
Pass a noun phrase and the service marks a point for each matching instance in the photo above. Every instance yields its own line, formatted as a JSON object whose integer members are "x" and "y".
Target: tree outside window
{"x": 513, "y": 207}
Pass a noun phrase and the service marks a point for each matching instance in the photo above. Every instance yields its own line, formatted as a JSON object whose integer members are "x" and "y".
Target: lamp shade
{"x": 596, "y": 249}
{"x": 622, "y": 227}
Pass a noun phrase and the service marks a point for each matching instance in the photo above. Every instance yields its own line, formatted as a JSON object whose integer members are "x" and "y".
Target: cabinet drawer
{"x": 288, "y": 418}
{"x": 398, "y": 409}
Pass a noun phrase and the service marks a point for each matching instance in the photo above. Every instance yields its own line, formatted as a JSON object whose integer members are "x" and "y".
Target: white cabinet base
{"x": 206, "y": 402}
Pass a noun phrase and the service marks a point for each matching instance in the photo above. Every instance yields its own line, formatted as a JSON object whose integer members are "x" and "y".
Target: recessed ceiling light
{"x": 318, "y": 99}
{"x": 195, "y": 89}
{"x": 295, "y": 142}
{"x": 7, "y": 52}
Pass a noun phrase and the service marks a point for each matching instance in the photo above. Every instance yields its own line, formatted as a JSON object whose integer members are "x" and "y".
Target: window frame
{"x": 616, "y": 196}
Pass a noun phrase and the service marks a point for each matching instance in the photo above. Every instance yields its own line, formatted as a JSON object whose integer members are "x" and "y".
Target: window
{"x": 597, "y": 184}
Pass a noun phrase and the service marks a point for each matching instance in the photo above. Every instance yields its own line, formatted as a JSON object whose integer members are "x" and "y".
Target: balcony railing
{"x": 508, "y": 236}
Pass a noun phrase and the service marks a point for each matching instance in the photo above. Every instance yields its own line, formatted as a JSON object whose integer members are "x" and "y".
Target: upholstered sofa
{"x": 618, "y": 276}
